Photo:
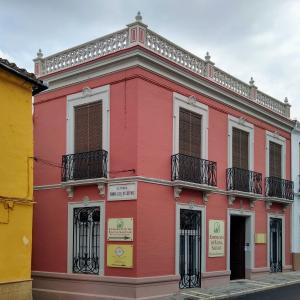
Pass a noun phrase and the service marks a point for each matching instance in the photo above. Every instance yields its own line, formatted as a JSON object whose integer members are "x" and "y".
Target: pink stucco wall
{"x": 141, "y": 137}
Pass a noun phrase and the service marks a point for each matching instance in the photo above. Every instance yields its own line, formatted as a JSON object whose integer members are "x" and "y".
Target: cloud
{"x": 258, "y": 38}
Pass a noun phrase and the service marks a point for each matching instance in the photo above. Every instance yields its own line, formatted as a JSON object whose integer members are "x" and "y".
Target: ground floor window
{"x": 86, "y": 238}
{"x": 190, "y": 248}
{"x": 275, "y": 245}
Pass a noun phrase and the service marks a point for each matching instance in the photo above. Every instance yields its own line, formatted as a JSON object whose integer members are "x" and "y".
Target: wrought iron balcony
{"x": 193, "y": 169}
{"x": 243, "y": 180}
{"x": 279, "y": 188}
{"x": 84, "y": 165}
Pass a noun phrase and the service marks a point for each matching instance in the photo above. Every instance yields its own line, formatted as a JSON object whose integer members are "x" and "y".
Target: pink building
{"x": 155, "y": 170}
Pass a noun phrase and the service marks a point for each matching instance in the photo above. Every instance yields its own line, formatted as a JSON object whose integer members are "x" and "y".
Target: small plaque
{"x": 120, "y": 229}
{"x": 260, "y": 238}
{"x": 119, "y": 256}
{"x": 122, "y": 191}
{"x": 216, "y": 238}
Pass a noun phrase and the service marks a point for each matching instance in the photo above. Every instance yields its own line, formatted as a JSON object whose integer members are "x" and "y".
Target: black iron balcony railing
{"x": 84, "y": 165}
{"x": 193, "y": 169}
{"x": 279, "y": 188}
{"x": 243, "y": 180}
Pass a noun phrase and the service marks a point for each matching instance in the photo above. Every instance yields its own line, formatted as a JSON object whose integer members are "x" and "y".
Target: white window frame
{"x": 241, "y": 124}
{"x": 71, "y": 206}
{"x": 275, "y": 138}
{"x": 196, "y": 107}
{"x": 202, "y": 209}
{"x": 282, "y": 217}
{"x": 86, "y": 96}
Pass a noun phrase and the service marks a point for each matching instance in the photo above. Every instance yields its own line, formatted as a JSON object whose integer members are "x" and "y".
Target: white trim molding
{"x": 191, "y": 104}
{"x": 276, "y": 138}
{"x": 86, "y": 203}
{"x": 240, "y": 123}
{"x": 88, "y": 95}
{"x": 249, "y": 236}
{"x": 202, "y": 209}
{"x": 282, "y": 217}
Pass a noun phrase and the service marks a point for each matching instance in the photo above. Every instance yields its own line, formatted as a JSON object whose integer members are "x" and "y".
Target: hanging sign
{"x": 122, "y": 191}
{"x": 120, "y": 229}
{"x": 119, "y": 256}
{"x": 216, "y": 238}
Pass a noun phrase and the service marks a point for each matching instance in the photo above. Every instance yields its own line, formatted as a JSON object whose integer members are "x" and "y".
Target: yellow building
{"x": 16, "y": 183}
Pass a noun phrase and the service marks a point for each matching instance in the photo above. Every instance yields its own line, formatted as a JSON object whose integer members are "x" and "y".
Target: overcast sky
{"x": 259, "y": 38}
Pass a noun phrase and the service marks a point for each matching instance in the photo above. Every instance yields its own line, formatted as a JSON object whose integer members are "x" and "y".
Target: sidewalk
{"x": 239, "y": 287}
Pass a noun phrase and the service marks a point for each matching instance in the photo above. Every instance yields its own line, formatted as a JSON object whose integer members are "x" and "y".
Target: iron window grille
{"x": 84, "y": 165}
{"x": 86, "y": 240}
{"x": 243, "y": 180}
{"x": 193, "y": 169}
{"x": 190, "y": 249}
{"x": 279, "y": 188}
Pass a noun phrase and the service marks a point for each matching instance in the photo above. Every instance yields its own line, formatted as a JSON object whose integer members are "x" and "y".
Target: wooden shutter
{"x": 189, "y": 133}
{"x": 240, "y": 148}
{"x": 88, "y": 127}
{"x": 275, "y": 160}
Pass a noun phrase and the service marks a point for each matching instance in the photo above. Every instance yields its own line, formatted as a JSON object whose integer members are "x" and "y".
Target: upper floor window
{"x": 240, "y": 148}
{"x": 240, "y": 144}
{"x": 275, "y": 164}
{"x": 87, "y": 135}
{"x": 189, "y": 133}
{"x": 275, "y": 155}
{"x": 190, "y": 127}
{"x": 88, "y": 127}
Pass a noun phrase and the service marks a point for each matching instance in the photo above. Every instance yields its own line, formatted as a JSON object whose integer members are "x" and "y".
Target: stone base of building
{"x": 18, "y": 290}
{"x": 296, "y": 261}
{"x": 216, "y": 278}
{"x": 53, "y": 286}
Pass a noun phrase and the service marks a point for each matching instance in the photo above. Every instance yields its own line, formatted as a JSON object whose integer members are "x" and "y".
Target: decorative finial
{"x": 39, "y": 54}
{"x": 207, "y": 56}
{"x": 286, "y": 100}
{"x": 138, "y": 17}
{"x": 251, "y": 82}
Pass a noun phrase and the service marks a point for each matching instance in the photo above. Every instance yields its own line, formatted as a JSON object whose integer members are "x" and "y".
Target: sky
{"x": 258, "y": 38}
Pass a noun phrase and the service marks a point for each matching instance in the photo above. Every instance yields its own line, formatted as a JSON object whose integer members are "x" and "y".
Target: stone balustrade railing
{"x": 137, "y": 33}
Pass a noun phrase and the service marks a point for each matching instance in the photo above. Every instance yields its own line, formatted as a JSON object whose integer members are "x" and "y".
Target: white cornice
{"x": 140, "y": 57}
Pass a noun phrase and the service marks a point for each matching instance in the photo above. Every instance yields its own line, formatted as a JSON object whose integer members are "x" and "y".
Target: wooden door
{"x": 237, "y": 247}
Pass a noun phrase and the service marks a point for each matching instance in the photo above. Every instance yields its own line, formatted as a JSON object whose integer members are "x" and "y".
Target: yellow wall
{"x": 16, "y": 152}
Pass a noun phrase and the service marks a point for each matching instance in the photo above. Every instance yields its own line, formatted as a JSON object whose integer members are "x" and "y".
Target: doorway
{"x": 237, "y": 247}
{"x": 190, "y": 248}
{"x": 275, "y": 245}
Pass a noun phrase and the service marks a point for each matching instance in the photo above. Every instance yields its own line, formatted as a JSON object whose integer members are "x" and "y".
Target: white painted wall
{"x": 295, "y": 178}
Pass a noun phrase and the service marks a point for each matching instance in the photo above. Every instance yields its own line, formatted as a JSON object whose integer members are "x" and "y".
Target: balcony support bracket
{"x": 70, "y": 191}
{"x": 177, "y": 191}
{"x": 101, "y": 188}
{"x": 231, "y": 199}
{"x": 252, "y": 202}
{"x": 205, "y": 196}
{"x": 268, "y": 204}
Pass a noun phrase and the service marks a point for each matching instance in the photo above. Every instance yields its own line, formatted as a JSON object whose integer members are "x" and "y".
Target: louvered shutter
{"x": 189, "y": 133}
{"x": 240, "y": 148}
{"x": 88, "y": 127}
{"x": 275, "y": 160}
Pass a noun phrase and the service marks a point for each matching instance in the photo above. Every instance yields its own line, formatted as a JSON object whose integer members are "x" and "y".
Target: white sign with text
{"x": 122, "y": 191}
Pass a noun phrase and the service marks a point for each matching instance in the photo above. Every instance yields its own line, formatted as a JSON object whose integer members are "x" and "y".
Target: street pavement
{"x": 274, "y": 286}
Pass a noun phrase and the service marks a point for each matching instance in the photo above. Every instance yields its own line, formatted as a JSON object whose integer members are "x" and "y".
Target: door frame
{"x": 249, "y": 235}
{"x": 282, "y": 217}
{"x": 202, "y": 209}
